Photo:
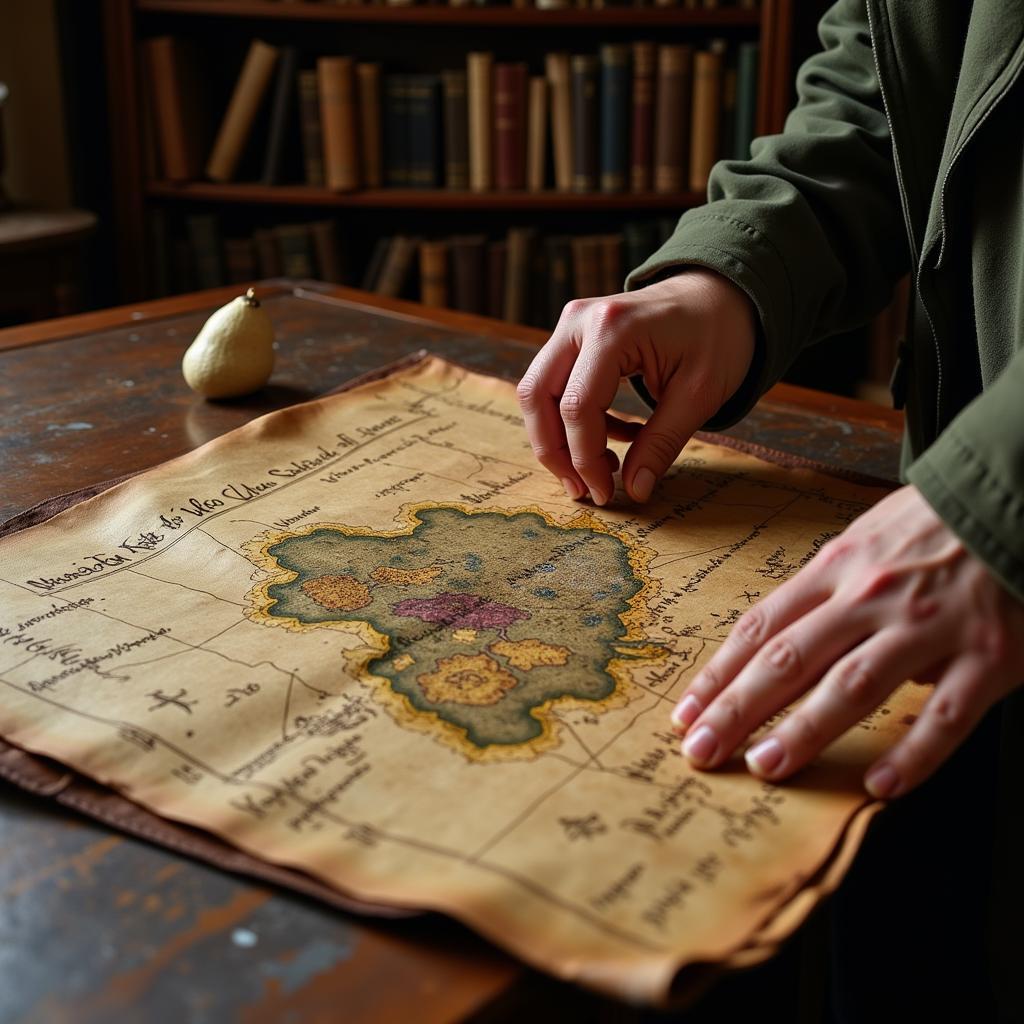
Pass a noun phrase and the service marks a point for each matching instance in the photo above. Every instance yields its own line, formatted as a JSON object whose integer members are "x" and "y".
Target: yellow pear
{"x": 233, "y": 353}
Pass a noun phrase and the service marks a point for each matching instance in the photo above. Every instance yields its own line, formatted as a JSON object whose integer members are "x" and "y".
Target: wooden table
{"x": 95, "y": 926}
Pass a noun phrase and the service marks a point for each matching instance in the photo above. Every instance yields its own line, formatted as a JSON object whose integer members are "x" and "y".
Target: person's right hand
{"x": 692, "y": 338}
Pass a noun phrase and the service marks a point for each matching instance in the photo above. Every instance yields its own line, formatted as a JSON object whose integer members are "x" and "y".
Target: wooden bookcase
{"x": 433, "y": 34}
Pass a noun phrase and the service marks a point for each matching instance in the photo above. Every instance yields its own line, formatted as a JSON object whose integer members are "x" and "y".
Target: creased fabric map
{"x": 370, "y": 639}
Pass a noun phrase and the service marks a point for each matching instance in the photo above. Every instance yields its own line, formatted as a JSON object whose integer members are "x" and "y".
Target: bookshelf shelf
{"x": 504, "y": 17}
{"x": 436, "y": 199}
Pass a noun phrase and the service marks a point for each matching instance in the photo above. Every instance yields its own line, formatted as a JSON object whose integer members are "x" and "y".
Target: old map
{"x": 370, "y": 639}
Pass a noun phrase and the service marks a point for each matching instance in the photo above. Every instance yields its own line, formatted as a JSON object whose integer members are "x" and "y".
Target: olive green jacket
{"x": 905, "y": 152}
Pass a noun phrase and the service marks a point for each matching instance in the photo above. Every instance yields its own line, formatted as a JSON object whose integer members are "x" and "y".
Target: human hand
{"x": 692, "y": 338}
{"x": 897, "y": 596}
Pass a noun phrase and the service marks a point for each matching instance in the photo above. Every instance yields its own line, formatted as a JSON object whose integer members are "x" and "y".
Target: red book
{"x": 510, "y": 81}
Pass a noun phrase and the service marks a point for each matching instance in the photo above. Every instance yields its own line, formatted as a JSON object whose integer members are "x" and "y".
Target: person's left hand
{"x": 897, "y": 596}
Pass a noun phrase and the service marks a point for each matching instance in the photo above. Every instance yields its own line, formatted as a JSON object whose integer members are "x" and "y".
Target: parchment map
{"x": 369, "y": 638}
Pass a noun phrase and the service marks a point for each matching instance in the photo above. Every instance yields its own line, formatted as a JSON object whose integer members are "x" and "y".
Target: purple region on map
{"x": 460, "y": 611}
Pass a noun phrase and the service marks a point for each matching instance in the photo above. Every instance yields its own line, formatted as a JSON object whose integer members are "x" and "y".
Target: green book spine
{"x": 746, "y": 99}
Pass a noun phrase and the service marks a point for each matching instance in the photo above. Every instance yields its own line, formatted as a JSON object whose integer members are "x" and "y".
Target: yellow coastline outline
{"x": 377, "y": 644}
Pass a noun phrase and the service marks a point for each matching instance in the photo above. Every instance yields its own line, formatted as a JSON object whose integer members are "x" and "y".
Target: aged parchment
{"x": 371, "y": 639}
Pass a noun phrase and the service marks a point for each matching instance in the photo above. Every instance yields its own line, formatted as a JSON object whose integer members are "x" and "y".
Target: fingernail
{"x": 686, "y": 711}
{"x": 599, "y": 497}
{"x": 881, "y": 782}
{"x": 643, "y": 483}
{"x": 765, "y": 757}
{"x": 572, "y": 488}
{"x": 701, "y": 746}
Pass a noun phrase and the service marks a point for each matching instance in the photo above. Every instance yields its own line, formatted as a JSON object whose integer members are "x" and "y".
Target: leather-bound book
{"x": 641, "y": 161}
{"x": 309, "y": 124}
{"x": 517, "y": 274}
{"x": 584, "y": 123}
{"x": 497, "y": 255}
{"x": 536, "y": 133}
{"x": 727, "y": 117}
{"x": 434, "y": 274}
{"x": 282, "y": 114}
{"x": 239, "y": 260}
{"x": 424, "y": 130}
{"x": 368, "y": 102}
{"x": 586, "y": 266}
{"x": 479, "y": 94}
{"x": 747, "y": 63}
{"x": 329, "y": 266}
{"x": 510, "y": 126}
{"x": 558, "y": 251}
{"x": 371, "y": 275}
{"x": 397, "y": 267}
{"x": 268, "y": 253}
{"x": 207, "y": 249}
{"x": 396, "y": 130}
{"x": 707, "y": 99}
{"x": 296, "y": 250}
{"x": 456, "y": 130}
{"x": 235, "y": 128}
{"x": 615, "y": 116}
{"x": 639, "y": 240}
{"x": 336, "y": 81}
{"x": 174, "y": 95}
{"x": 468, "y": 261}
{"x": 611, "y": 264}
{"x": 559, "y": 75}
{"x": 672, "y": 117}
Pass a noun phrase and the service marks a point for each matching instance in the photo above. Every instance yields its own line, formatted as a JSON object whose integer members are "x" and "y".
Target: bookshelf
{"x": 413, "y": 38}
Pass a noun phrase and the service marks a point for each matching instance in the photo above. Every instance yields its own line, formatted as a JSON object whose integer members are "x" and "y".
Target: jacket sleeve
{"x": 810, "y": 227}
{"x": 973, "y": 475}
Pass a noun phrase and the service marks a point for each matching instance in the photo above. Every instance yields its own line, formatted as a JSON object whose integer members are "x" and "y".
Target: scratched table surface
{"x": 95, "y": 926}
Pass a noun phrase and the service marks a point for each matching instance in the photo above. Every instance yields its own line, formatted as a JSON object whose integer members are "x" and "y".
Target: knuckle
{"x": 993, "y": 641}
{"x": 728, "y": 710}
{"x": 526, "y": 391}
{"x": 608, "y": 314}
{"x": 573, "y": 308}
{"x": 752, "y": 626}
{"x": 664, "y": 445}
{"x": 803, "y": 732}
{"x": 572, "y": 406}
{"x": 875, "y": 582}
{"x": 855, "y": 681}
{"x": 834, "y": 552}
{"x": 706, "y": 684}
{"x": 949, "y": 714}
{"x": 782, "y": 656}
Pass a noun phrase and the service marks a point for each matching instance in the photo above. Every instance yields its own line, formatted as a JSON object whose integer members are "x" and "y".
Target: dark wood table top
{"x": 95, "y": 926}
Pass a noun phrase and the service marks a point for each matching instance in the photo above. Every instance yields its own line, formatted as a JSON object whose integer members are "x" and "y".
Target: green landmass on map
{"x": 489, "y": 616}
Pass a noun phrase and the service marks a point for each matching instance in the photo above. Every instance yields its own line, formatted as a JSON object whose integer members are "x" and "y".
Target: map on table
{"x": 370, "y": 639}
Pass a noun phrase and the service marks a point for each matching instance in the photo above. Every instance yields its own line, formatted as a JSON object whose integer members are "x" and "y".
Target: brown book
{"x": 434, "y": 274}
{"x": 394, "y": 273}
{"x": 309, "y": 123}
{"x": 517, "y": 274}
{"x": 268, "y": 253}
{"x": 586, "y": 266}
{"x": 707, "y": 104}
{"x": 296, "y": 250}
{"x": 510, "y": 126}
{"x": 336, "y": 83}
{"x": 250, "y": 89}
{"x": 611, "y": 264}
{"x": 479, "y": 90}
{"x": 497, "y": 253}
{"x": 325, "y": 248}
{"x": 536, "y": 133}
{"x": 672, "y": 117}
{"x": 170, "y": 71}
{"x": 239, "y": 260}
{"x": 378, "y": 255}
{"x": 584, "y": 123}
{"x": 468, "y": 258}
{"x": 641, "y": 163}
{"x": 370, "y": 149}
{"x": 456, "y": 130}
{"x": 558, "y": 73}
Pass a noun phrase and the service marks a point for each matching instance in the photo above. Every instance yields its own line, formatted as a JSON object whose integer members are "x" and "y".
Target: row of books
{"x": 635, "y": 117}
{"x": 525, "y": 276}
{"x": 549, "y": 5}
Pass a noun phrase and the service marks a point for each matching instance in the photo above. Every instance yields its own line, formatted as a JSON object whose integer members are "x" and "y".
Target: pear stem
{"x": 250, "y": 299}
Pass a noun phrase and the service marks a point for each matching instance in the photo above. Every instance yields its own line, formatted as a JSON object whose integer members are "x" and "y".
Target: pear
{"x": 233, "y": 353}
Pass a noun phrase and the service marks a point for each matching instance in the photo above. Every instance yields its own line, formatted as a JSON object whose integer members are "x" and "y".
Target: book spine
{"x": 328, "y": 255}
{"x": 371, "y": 275}
{"x": 424, "y": 121}
{"x": 510, "y": 126}
{"x": 517, "y": 274}
{"x": 456, "y": 130}
{"x": 335, "y": 79}
{"x": 268, "y": 254}
{"x": 641, "y": 164}
{"x": 610, "y": 251}
{"x": 586, "y": 266}
{"x": 309, "y": 123}
{"x": 672, "y": 117}
{"x": 245, "y": 102}
{"x": 296, "y": 250}
{"x": 497, "y": 254}
{"x": 175, "y": 135}
{"x": 396, "y": 131}
{"x": 281, "y": 107}
{"x": 748, "y": 62}
{"x": 615, "y": 112}
{"x": 640, "y": 239}
{"x": 468, "y": 258}
{"x": 479, "y": 89}
{"x": 536, "y": 133}
{"x": 559, "y": 76}
{"x": 434, "y": 274}
{"x": 559, "y": 276}
{"x": 207, "y": 250}
{"x": 584, "y": 123}
{"x": 707, "y": 96}
{"x": 394, "y": 274}
{"x": 239, "y": 260}
{"x": 368, "y": 94}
